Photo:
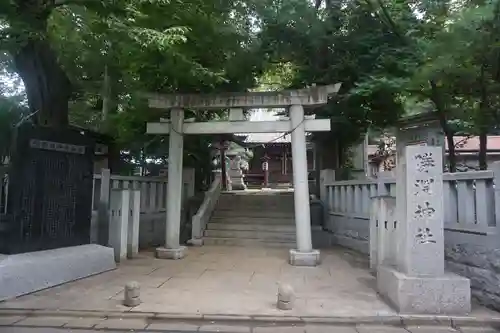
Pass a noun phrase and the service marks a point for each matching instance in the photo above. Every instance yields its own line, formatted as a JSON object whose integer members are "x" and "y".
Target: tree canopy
{"x": 393, "y": 58}
{"x": 87, "y": 61}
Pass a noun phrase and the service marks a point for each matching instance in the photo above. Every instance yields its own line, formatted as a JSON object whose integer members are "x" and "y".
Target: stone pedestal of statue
{"x": 236, "y": 174}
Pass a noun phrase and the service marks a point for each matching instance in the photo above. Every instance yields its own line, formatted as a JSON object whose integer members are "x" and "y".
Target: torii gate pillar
{"x": 304, "y": 255}
{"x": 172, "y": 249}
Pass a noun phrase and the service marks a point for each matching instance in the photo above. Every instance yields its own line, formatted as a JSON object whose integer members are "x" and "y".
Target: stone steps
{"x": 251, "y": 227}
{"x": 252, "y": 234}
{"x": 253, "y": 213}
{"x": 282, "y": 207}
{"x": 259, "y": 192}
{"x": 256, "y": 199}
{"x": 253, "y": 220}
{"x": 248, "y": 242}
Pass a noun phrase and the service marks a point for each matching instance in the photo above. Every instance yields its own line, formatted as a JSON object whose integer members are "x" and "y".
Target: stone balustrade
{"x": 470, "y": 209}
{"x": 204, "y": 213}
{"x": 151, "y": 207}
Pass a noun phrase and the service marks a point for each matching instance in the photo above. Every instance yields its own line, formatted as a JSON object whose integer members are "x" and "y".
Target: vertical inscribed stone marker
{"x": 418, "y": 284}
{"x": 423, "y": 250}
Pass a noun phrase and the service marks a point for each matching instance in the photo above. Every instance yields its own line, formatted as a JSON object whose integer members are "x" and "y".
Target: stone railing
{"x": 202, "y": 217}
{"x": 469, "y": 202}
{"x": 152, "y": 205}
{"x": 471, "y": 208}
{"x": 153, "y": 190}
{"x": 469, "y": 199}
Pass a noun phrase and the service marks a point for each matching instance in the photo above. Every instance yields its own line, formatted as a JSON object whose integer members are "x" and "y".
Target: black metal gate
{"x": 50, "y": 190}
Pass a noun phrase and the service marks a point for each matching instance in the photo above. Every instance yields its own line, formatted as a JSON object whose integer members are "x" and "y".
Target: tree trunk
{"x": 328, "y": 156}
{"x": 106, "y": 94}
{"x": 441, "y": 110}
{"x": 452, "y": 158}
{"x": 47, "y": 85}
{"x": 483, "y": 147}
{"x": 484, "y": 118}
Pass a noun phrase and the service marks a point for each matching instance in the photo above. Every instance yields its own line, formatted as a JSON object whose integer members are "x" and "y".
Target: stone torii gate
{"x": 293, "y": 100}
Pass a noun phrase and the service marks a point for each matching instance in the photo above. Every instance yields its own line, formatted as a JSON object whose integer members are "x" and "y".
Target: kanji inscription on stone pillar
{"x": 424, "y": 248}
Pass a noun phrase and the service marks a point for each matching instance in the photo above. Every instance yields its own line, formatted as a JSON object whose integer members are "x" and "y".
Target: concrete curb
{"x": 259, "y": 320}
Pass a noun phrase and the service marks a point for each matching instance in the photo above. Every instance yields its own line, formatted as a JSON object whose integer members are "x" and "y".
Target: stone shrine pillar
{"x": 304, "y": 255}
{"x": 172, "y": 249}
{"x": 418, "y": 284}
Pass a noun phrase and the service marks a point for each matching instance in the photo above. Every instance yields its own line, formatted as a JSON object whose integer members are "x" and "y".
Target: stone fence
{"x": 152, "y": 205}
{"x": 471, "y": 222}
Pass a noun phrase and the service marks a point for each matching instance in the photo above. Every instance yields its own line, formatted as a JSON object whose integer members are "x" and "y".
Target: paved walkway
{"x": 361, "y": 329}
{"x": 213, "y": 281}
{"x": 223, "y": 280}
{"x": 215, "y": 327}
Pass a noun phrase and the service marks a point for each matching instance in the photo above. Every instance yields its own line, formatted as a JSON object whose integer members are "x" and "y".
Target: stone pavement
{"x": 223, "y": 280}
{"x": 43, "y": 325}
{"x": 215, "y": 282}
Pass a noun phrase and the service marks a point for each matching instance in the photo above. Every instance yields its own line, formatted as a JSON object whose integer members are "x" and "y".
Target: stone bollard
{"x": 286, "y": 297}
{"x": 132, "y": 294}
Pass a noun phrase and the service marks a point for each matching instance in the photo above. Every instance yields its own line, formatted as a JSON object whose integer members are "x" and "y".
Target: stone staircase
{"x": 253, "y": 218}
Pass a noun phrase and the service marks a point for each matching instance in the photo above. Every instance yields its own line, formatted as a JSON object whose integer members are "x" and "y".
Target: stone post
{"x": 119, "y": 222}
{"x": 326, "y": 176}
{"x": 418, "y": 284}
{"x": 386, "y": 232}
{"x": 133, "y": 225}
{"x": 378, "y": 217}
{"x": 172, "y": 249}
{"x": 495, "y": 167}
{"x": 132, "y": 294}
{"x": 188, "y": 177}
{"x": 304, "y": 255}
{"x": 103, "y": 208}
{"x": 373, "y": 236}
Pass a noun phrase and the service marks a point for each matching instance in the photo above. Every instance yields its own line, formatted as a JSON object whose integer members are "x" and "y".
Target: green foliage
{"x": 12, "y": 113}
{"x": 341, "y": 42}
{"x": 112, "y": 51}
{"x": 12, "y": 106}
{"x": 277, "y": 77}
{"x": 392, "y": 57}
